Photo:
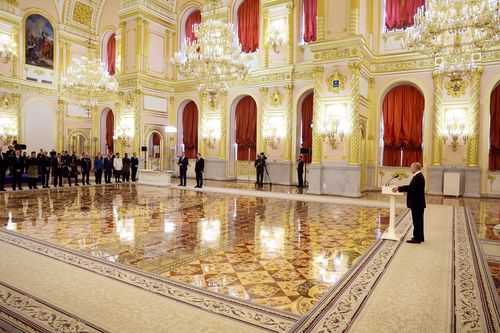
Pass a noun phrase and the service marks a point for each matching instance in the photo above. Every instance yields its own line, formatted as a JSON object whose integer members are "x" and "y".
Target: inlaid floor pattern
{"x": 281, "y": 253}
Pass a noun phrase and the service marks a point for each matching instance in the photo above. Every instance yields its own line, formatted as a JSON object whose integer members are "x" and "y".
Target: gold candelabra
{"x": 332, "y": 133}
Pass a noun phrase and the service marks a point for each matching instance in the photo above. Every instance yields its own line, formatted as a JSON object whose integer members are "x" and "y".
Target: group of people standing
{"x": 40, "y": 167}
{"x": 199, "y": 169}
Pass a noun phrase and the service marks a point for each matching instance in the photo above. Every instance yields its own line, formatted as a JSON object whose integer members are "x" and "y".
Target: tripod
{"x": 269, "y": 177}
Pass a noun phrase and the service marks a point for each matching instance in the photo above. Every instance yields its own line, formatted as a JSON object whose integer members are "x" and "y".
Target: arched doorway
{"x": 107, "y": 131}
{"x": 304, "y": 125}
{"x": 39, "y": 126}
{"x": 402, "y": 126}
{"x": 187, "y": 133}
{"x": 244, "y": 136}
{"x": 154, "y": 151}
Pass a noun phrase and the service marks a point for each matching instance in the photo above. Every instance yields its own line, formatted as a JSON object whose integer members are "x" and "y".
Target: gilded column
{"x": 18, "y": 121}
{"x": 172, "y": 119}
{"x": 15, "y": 60}
{"x": 437, "y": 142}
{"x": 266, "y": 34}
{"x": 261, "y": 119}
{"x": 95, "y": 131}
{"x": 317, "y": 116}
{"x": 354, "y": 140}
{"x": 289, "y": 112}
{"x": 138, "y": 137}
{"x": 291, "y": 37}
{"x": 223, "y": 127}
{"x": 138, "y": 43}
{"x": 62, "y": 68}
{"x": 68, "y": 56}
{"x": 60, "y": 124}
{"x": 123, "y": 50}
{"x": 473, "y": 121}
{"x": 372, "y": 122}
{"x": 320, "y": 21}
{"x": 202, "y": 148}
{"x": 354, "y": 17}
{"x": 146, "y": 46}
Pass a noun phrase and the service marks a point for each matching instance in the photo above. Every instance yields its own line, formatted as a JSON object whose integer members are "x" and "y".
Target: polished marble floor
{"x": 281, "y": 253}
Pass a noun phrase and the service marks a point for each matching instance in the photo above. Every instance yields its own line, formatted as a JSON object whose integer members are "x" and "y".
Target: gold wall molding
{"x": 76, "y": 133}
{"x": 317, "y": 116}
{"x": 290, "y": 26}
{"x": 354, "y": 139}
{"x": 18, "y": 117}
{"x": 372, "y": 123}
{"x": 24, "y": 87}
{"x": 473, "y": 119}
{"x": 82, "y": 13}
{"x": 139, "y": 34}
{"x": 338, "y": 79}
{"x": 61, "y": 111}
{"x": 265, "y": 62}
{"x": 202, "y": 147}
{"x": 261, "y": 119}
{"x": 437, "y": 142}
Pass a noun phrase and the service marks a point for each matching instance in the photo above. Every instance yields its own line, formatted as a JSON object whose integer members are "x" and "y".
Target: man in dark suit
{"x": 134, "y": 165}
{"x": 260, "y": 164}
{"x": 57, "y": 169}
{"x": 86, "y": 163}
{"x": 199, "y": 168}
{"x": 108, "y": 168}
{"x": 183, "y": 166}
{"x": 44, "y": 162}
{"x": 415, "y": 200}
{"x": 300, "y": 172}
{"x": 17, "y": 168}
{"x": 3, "y": 169}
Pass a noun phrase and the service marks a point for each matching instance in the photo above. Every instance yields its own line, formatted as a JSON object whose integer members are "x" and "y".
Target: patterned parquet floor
{"x": 281, "y": 253}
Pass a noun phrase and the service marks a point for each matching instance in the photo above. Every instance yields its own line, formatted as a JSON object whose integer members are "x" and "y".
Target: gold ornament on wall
{"x": 82, "y": 13}
{"x": 336, "y": 82}
{"x": 6, "y": 103}
{"x": 276, "y": 98}
{"x": 456, "y": 86}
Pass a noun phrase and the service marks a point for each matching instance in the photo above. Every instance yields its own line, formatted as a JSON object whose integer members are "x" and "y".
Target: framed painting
{"x": 39, "y": 42}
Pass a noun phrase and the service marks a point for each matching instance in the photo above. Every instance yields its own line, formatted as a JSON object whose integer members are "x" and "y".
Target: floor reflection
{"x": 281, "y": 253}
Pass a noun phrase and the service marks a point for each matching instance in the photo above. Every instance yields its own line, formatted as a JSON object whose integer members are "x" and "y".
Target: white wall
{"x": 39, "y": 127}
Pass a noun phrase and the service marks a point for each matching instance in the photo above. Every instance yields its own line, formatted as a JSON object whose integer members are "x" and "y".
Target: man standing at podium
{"x": 415, "y": 200}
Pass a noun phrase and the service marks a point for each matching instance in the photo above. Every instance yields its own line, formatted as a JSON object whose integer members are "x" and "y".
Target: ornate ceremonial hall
{"x": 254, "y": 155}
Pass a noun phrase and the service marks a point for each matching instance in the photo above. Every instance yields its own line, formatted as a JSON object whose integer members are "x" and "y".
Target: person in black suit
{"x": 183, "y": 166}
{"x": 199, "y": 168}
{"x": 16, "y": 170}
{"x": 108, "y": 168}
{"x": 415, "y": 200}
{"x": 86, "y": 164}
{"x": 260, "y": 164}
{"x": 44, "y": 162}
{"x": 3, "y": 169}
{"x": 57, "y": 169}
{"x": 300, "y": 172}
{"x": 134, "y": 165}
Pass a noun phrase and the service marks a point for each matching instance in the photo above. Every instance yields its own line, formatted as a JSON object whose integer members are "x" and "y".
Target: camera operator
{"x": 260, "y": 164}
{"x": 300, "y": 172}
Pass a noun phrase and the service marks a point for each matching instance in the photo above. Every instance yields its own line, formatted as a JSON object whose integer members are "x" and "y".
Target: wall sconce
{"x": 333, "y": 133}
{"x": 7, "y": 48}
{"x": 273, "y": 136}
{"x": 274, "y": 38}
{"x": 212, "y": 133}
{"x": 124, "y": 132}
{"x": 8, "y": 130}
{"x": 455, "y": 128}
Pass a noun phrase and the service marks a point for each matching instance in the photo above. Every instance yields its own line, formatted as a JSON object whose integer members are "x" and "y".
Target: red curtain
{"x": 111, "y": 47}
{"x": 246, "y": 128}
{"x": 110, "y": 128}
{"x": 307, "y": 119}
{"x": 399, "y": 13}
{"x": 156, "y": 142}
{"x": 494, "y": 155}
{"x": 403, "y": 110}
{"x": 248, "y": 25}
{"x": 193, "y": 18}
{"x": 310, "y": 13}
{"x": 190, "y": 129}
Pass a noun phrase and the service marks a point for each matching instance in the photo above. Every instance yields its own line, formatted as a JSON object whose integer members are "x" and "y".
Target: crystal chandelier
{"x": 7, "y": 48}
{"x": 89, "y": 79}
{"x": 214, "y": 58}
{"x": 452, "y": 31}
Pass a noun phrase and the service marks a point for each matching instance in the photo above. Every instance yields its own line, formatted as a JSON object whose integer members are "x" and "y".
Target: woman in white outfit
{"x": 118, "y": 166}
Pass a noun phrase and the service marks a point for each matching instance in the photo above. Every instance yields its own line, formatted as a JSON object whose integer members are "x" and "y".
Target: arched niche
{"x": 107, "y": 126}
{"x": 305, "y": 101}
{"x": 39, "y": 126}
